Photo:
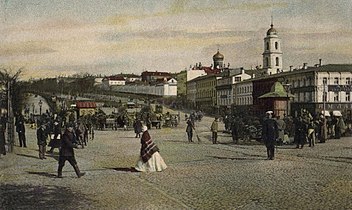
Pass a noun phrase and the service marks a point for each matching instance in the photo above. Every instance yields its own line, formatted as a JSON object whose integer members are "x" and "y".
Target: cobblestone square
{"x": 200, "y": 175}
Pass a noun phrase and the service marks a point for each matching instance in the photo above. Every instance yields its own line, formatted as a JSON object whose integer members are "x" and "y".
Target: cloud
{"x": 24, "y": 49}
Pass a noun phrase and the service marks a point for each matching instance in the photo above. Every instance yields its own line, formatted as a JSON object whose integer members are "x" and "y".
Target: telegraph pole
{"x": 10, "y": 121}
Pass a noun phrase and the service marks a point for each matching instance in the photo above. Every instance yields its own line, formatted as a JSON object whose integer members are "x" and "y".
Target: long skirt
{"x": 155, "y": 163}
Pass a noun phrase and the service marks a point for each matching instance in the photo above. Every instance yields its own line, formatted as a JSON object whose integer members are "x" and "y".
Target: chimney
{"x": 320, "y": 62}
{"x": 291, "y": 68}
{"x": 305, "y": 66}
{"x": 242, "y": 70}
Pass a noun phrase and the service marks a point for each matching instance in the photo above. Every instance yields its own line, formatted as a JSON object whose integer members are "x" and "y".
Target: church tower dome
{"x": 218, "y": 59}
{"x": 272, "y": 55}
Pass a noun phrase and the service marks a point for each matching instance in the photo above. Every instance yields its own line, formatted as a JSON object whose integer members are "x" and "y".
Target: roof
{"x": 271, "y": 31}
{"x": 218, "y": 55}
{"x": 156, "y": 73}
{"x": 116, "y": 78}
{"x": 277, "y": 91}
{"x": 86, "y": 104}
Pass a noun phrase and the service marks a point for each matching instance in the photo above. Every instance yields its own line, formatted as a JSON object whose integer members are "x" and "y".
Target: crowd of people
{"x": 304, "y": 129}
{"x": 67, "y": 134}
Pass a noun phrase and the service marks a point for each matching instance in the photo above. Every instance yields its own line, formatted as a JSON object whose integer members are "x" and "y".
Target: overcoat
{"x": 67, "y": 144}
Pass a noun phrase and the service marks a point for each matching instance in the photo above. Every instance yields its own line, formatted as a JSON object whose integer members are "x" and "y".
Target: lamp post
{"x": 324, "y": 98}
{"x": 40, "y": 103}
{"x": 287, "y": 88}
{"x": 33, "y": 106}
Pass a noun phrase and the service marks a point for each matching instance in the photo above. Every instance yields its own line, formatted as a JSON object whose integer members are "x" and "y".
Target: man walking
{"x": 269, "y": 134}
{"x": 68, "y": 142}
{"x": 214, "y": 129}
{"x": 235, "y": 126}
{"x": 21, "y": 130}
{"x": 42, "y": 136}
{"x": 189, "y": 130}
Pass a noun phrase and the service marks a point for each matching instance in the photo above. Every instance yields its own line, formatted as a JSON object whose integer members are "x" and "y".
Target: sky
{"x": 51, "y": 38}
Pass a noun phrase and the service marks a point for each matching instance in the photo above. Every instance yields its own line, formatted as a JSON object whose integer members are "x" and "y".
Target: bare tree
{"x": 8, "y": 81}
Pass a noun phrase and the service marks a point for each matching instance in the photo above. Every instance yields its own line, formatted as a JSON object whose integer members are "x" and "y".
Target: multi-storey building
{"x": 225, "y": 89}
{"x": 206, "y": 92}
{"x": 184, "y": 76}
{"x": 318, "y": 88}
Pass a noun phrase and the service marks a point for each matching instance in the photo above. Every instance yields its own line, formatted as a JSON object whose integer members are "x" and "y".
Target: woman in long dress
{"x": 150, "y": 160}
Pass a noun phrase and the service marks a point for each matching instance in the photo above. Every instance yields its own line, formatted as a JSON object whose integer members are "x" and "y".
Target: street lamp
{"x": 40, "y": 103}
{"x": 287, "y": 88}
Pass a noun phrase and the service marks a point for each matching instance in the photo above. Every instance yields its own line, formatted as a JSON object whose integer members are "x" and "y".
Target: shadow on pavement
{"x": 46, "y": 174}
{"x": 124, "y": 169}
{"x": 237, "y": 158}
{"x": 30, "y": 156}
{"x": 40, "y": 197}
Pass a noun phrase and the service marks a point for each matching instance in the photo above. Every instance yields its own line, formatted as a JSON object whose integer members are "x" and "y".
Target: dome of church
{"x": 218, "y": 55}
{"x": 271, "y": 31}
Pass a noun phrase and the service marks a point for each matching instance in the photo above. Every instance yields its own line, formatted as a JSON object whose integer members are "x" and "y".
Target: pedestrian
{"x": 56, "y": 130}
{"x": 2, "y": 136}
{"x": 301, "y": 132}
{"x": 214, "y": 129}
{"x": 323, "y": 130}
{"x": 68, "y": 143}
{"x": 281, "y": 126}
{"x": 42, "y": 136}
{"x": 150, "y": 159}
{"x": 80, "y": 130}
{"x": 311, "y": 133}
{"x": 340, "y": 127}
{"x": 235, "y": 126}
{"x": 21, "y": 131}
{"x": 137, "y": 125}
{"x": 189, "y": 130}
{"x": 270, "y": 133}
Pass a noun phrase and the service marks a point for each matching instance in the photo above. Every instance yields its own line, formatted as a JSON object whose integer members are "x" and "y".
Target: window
{"x": 277, "y": 61}
{"x": 276, "y": 45}
{"x": 336, "y": 96}
{"x": 325, "y": 80}
{"x": 237, "y": 79}
{"x": 267, "y": 61}
{"x": 267, "y": 46}
{"x": 348, "y": 80}
{"x": 336, "y": 81}
{"x": 348, "y": 96}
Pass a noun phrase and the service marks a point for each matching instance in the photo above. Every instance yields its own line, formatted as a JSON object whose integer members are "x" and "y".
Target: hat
{"x": 269, "y": 112}
{"x": 144, "y": 128}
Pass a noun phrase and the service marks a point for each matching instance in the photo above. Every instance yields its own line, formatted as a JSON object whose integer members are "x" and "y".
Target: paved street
{"x": 199, "y": 175}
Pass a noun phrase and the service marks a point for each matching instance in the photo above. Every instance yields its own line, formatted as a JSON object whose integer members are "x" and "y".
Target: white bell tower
{"x": 272, "y": 55}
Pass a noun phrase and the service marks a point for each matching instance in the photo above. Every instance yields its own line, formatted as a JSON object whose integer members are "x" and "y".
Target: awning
{"x": 336, "y": 113}
{"x": 327, "y": 114}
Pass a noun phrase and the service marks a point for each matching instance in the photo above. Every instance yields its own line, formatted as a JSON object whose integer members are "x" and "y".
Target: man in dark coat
{"x": 189, "y": 130}
{"x": 21, "y": 130}
{"x": 68, "y": 142}
{"x": 270, "y": 133}
{"x": 42, "y": 136}
{"x": 235, "y": 127}
{"x": 137, "y": 128}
